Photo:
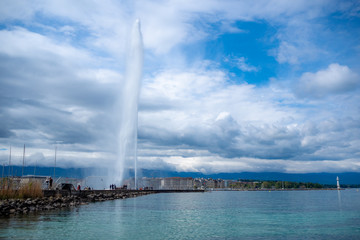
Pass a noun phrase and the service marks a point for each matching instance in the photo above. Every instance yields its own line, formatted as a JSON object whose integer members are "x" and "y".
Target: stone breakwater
{"x": 25, "y": 206}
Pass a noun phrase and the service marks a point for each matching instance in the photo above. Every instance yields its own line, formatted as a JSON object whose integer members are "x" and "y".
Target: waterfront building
{"x": 210, "y": 183}
{"x": 219, "y": 183}
{"x": 177, "y": 183}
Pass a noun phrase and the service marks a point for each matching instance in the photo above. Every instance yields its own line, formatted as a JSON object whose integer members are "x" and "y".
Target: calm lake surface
{"x": 210, "y": 215}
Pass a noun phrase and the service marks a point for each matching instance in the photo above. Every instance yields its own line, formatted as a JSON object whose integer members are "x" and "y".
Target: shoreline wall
{"x": 85, "y": 193}
{"x": 62, "y": 199}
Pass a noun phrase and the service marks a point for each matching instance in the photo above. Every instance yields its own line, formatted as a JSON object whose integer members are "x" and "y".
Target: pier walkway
{"x": 84, "y": 193}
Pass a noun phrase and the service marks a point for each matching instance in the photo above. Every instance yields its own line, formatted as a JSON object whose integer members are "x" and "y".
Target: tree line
{"x": 253, "y": 184}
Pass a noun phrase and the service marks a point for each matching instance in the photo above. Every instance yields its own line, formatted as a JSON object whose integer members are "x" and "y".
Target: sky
{"x": 228, "y": 86}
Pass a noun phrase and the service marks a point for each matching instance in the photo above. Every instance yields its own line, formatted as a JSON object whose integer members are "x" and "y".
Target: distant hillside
{"x": 322, "y": 178}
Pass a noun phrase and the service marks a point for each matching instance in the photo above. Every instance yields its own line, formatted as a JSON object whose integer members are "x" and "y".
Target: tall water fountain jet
{"x": 127, "y": 150}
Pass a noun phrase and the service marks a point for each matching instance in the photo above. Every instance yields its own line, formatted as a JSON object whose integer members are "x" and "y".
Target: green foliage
{"x": 252, "y": 185}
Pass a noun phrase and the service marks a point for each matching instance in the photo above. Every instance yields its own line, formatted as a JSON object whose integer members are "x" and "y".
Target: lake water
{"x": 209, "y": 215}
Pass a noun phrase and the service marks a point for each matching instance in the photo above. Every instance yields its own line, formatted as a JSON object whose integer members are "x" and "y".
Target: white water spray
{"x": 128, "y": 107}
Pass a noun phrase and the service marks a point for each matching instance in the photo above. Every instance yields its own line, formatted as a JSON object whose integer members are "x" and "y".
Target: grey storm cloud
{"x": 226, "y": 137}
{"x": 44, "y": 97}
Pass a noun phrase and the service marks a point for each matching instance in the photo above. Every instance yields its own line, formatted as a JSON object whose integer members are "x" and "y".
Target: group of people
{"x": 49, "y": 182}
{"x": 112, "y": 187}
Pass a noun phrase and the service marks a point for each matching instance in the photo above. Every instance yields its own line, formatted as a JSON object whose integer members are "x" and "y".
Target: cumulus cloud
{"x": 61, "y": 69}
{"x": 221, "y": 121}
{"x": 335, "y": 79}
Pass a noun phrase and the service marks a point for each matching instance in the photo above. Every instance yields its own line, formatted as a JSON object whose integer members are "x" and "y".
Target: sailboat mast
{"x": 22, "y": 170}
{"x": 9, "y": 173}
{"x": 35, "y": 168}
{"x": 55, "y": 161}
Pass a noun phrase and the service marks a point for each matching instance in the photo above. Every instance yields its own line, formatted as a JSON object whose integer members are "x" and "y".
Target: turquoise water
{"x": 210, "y": 215}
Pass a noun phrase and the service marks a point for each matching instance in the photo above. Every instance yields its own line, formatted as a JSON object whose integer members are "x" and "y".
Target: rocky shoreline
{"x": 10, "y": 207}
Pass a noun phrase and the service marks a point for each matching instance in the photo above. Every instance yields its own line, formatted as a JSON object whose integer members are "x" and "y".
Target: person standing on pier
{"x": 51, "y": 182}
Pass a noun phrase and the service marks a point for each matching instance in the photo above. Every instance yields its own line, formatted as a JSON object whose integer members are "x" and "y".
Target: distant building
{"x": 33, "y": 179}
{"x": 219, "y": 183}
{"x": 199, "y": 183}
{"x": 210, "y": 183}
{"x": 177, "y": 183}
{"x": 150, "y": 183}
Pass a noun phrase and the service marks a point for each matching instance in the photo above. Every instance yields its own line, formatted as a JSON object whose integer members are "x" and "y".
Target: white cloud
{"x": 204, "y": 93}
{"x": 68, "y": 30}
{"x": 241, "y": 63}
{"x": 169, "y": 24}
{"x": 59, "y": 81}
{"x": 20, "y": 42}
{"x": 228, "y": 121}
{"x": 288, "y": 53}
{"x": 335, "y": 79}
{"x": 215, "y": 164}
{"x": 17, "y": 9}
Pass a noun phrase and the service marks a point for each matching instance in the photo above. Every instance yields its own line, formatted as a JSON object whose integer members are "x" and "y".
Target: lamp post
{"x": 23, "y": 165}
{"x": 55, "y": 160}
{"x": 9, "y": 170}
